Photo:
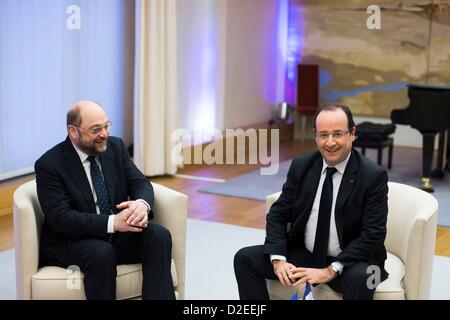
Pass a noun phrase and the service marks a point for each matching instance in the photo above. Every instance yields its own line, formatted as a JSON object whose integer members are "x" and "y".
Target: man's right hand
{"x": 283, "y": 270}
{"x": 120, "y": 222}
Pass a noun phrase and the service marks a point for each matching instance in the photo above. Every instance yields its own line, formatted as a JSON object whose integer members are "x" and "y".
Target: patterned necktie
{"x": 323, "y": 221}
{"x": 99, "y": 187}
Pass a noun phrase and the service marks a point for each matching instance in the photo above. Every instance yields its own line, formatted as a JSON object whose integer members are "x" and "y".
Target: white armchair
{"x": 410, "y": 242}
{"x": 51, "y": 282}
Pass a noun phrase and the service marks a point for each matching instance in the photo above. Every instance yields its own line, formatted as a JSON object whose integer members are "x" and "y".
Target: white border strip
{"x": 184, "y": 176}
{"x": 14, "y": 174}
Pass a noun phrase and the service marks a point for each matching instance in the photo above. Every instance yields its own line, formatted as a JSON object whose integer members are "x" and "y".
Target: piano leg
{"x": 439, "y": 171}
{"x": 427, "y": 159}
{"x": 447, "y": 157}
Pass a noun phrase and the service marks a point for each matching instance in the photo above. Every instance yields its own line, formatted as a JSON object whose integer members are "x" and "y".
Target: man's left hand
{"x": 137, "y": 213}
{"x": 312, "y": 275}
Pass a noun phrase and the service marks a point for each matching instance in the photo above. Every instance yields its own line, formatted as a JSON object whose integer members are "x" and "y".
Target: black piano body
{"x": 429, "y": 112}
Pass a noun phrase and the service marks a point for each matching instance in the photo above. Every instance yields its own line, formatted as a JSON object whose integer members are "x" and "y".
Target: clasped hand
{"x": 290, "y": 275}
{"x": 132, "y": 218}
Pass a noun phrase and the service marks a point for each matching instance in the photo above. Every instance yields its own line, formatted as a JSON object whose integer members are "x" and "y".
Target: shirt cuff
{"x": 277, "y": 257}
{"x": 148, "y": 206}
{"x": 111, "y": 223}
{"x": 339, "y": 266}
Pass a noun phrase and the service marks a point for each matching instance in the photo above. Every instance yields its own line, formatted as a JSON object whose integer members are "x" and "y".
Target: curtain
{"x": 155, "y": 103}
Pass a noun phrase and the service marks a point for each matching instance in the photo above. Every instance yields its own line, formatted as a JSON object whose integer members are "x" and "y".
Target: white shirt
{"x": 311, "y": 226}
{"x": 87, "y": 168}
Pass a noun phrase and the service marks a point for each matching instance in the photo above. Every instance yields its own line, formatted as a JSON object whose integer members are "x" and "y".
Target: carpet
{"x": 255, "y": 186}
{"x": 252, "y": 185}
{"x": 209, "y": 264}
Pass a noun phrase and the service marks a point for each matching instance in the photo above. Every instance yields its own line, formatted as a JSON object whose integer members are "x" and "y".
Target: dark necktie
{"x": 99, "y": 187}
{"x": 323, "y": 221}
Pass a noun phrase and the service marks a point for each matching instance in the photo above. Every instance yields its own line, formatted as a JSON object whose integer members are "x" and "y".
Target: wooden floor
{"x": 204, "y": 206}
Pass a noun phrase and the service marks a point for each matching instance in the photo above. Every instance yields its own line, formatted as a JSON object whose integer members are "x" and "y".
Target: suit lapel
{"x": 76, "y": 170}
{"x": 348, "y": 182}
{"x": 107, "y": 162}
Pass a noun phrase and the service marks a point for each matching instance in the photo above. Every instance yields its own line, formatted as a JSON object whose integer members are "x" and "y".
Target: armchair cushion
{"x": 50, "y": 281}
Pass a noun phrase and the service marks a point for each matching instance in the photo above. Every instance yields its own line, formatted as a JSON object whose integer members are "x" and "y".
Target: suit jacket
{"x": 66, "y": 198}
{"x": 360, "y": 211}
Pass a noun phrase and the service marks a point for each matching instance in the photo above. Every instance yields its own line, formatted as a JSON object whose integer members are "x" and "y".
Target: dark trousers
{"x": 98, "y": 260}
{"x": 252, "y": 267}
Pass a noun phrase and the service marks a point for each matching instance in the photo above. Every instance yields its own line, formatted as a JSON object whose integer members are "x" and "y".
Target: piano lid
{"x": 419, "y": 86}
{"x": 428, "y": 109}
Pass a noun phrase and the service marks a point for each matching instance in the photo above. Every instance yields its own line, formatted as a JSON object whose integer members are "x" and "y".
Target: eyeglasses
{"x": 323, "y": 136}
{"x": 98, "y": 128}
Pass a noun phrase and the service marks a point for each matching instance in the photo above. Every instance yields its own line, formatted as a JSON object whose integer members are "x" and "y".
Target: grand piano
{"x": 429, "y": 112}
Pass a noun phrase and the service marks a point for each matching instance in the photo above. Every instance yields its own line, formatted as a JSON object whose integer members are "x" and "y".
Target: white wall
{"x": 198, "y": 55}
{"x": 253, "y": 71}
{"x": 230, "y": 61}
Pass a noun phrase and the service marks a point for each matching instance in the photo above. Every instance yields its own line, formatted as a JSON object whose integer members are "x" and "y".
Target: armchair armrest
{"x": 171, "y": 212}
{"x": 270, "y": 199}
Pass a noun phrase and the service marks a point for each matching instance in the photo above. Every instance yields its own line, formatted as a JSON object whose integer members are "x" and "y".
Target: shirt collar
{"x": 83, "y": 156}
{"x": 340, "y": 167}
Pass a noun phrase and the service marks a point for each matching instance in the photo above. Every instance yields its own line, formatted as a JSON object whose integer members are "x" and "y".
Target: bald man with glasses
{"x": 97, "y": 207}
{"x": 329, "y": 223}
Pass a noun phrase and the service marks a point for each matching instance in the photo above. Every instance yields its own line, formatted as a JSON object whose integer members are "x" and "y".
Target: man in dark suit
{"x": 97, "y": 206}
{"x": 329, "y": 224}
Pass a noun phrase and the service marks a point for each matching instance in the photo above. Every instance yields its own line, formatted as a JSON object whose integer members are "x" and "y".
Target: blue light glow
{"x": 295, "y": 45}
